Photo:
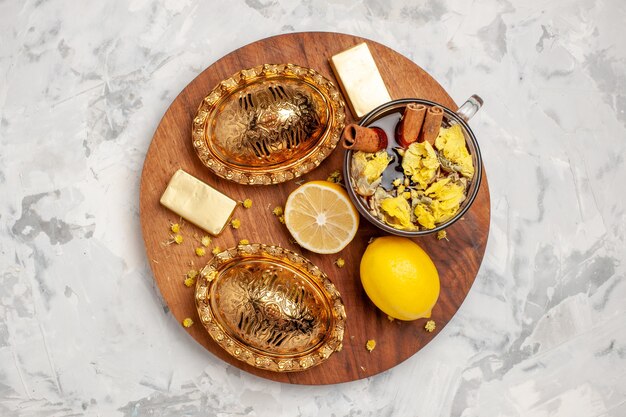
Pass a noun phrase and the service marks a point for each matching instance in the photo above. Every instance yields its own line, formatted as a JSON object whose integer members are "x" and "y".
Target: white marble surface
{"x": 83, "y": 330}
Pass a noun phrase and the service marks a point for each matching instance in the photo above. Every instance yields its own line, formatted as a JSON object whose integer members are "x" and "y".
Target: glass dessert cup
{"x": 460, "y": 117}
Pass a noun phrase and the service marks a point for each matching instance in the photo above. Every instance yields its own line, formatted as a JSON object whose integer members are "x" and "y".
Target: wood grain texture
{"x": 457, "y": 260}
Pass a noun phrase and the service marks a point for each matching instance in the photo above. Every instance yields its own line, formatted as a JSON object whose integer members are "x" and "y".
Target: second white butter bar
{"x": 198, "y": 202}
{"x": 360, "y": 79}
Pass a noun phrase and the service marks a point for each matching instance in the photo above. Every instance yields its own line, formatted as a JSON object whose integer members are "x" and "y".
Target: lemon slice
{"x": 321, "y": 217}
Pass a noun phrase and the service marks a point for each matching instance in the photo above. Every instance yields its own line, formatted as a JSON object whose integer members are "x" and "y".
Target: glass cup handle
{"x": 470, "y": 107}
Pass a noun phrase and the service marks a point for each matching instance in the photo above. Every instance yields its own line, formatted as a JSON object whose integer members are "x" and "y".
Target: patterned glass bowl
{"x": 268, "y": 124}
{"x": 270, "y": 307}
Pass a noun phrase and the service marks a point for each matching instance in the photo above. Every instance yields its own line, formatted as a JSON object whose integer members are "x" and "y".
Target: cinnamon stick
{"x": 410, "y": 125}
{"x": 366, "y": 139}
{"x": 432, "y": 124}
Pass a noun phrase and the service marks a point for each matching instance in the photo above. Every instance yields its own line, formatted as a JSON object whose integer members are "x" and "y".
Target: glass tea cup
{"x": 460, "y": 117}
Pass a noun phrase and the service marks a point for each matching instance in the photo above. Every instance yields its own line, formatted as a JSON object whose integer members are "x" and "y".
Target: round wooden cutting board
{"x": 457, "y": 260}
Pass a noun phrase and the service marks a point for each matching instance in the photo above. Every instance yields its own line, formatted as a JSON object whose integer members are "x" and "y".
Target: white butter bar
{"x": 197, "y": 202}
{"x": 360, "y": 79}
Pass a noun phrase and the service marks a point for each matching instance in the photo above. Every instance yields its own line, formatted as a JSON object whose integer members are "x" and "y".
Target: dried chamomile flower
{"x": 401, "y": 189}
{"x": 340, "y": 262}
{"x": 247, "y": 203}
{"x": 281, "y": 218}
{"x": 200, "y": 251}
{"x": 175, "y": 227}
{"x": 244, "y": 242}
{"x": 442, "y": 234}
{"x": 235, "y": 223}
{"x": 188, "y": 322}
{"x": 335, "y": 177}
{"x": 216, "y": 250}
{"x": 397, "y": 182}
{"x": 206, "y": 241}
{"x": 430, "y": 326}
{"x": 178, "y": 239}
{"x": 370, "y": 345}
{"x": 192, "y": 274}
{"x": 278, "y": 211}
{"x": 406, "y": 195}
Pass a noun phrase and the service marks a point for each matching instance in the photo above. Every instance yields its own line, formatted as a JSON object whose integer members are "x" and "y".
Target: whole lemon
{"x": 400, "y": 278}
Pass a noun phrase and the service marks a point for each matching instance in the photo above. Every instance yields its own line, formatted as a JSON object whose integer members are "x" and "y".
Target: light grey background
{"x": 83, "y": 330}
